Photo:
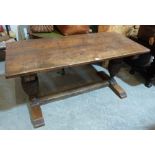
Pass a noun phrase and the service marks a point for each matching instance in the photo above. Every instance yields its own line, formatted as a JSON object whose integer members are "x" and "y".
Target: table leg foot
{"x": 36, "y": 116}
{"x": 30, "y": 85}
{"x": 117, "y": 89}
{"x": 113, "y": 85}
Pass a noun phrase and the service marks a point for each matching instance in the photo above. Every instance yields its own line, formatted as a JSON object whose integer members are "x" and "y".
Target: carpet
{"x": 96, "y": 110}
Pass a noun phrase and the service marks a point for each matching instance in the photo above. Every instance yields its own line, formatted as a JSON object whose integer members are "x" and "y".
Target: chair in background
{"x": 145, "y": 64}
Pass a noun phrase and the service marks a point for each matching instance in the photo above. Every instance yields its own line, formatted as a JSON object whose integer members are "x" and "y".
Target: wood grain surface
{"x": 38, "y": 55}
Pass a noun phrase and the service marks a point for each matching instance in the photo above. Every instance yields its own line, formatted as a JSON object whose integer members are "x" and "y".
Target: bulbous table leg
{"x": 30, "y": 84}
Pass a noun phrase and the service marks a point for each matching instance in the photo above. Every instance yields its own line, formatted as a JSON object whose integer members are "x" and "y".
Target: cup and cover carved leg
{"x": 30, "y": 84}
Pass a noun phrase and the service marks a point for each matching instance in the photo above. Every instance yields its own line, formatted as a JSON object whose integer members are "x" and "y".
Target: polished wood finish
{"x": 117, "y": 89}
{"x": 29, "y": 59}
{"x": 36, "y": 116}
{"x": 33, "y": 56}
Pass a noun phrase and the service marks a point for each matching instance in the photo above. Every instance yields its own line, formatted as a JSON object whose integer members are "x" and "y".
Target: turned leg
{"x": 30, "y": 84}
{"x": 113, "y": 68}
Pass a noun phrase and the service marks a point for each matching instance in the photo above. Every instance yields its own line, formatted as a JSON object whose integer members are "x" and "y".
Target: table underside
{"x": 53, "y": 86}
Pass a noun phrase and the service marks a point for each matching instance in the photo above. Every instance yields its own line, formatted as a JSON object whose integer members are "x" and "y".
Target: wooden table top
{"x": 38, "y": 55}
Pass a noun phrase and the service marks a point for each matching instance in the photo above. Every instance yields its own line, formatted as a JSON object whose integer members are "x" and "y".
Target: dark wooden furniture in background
{"x": 26, "y": 59}
{"x": 146, "y": 37}
{"x": 2, "y": 51}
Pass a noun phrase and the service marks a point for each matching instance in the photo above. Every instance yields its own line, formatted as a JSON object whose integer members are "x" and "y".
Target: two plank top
{"x": 37, "y": 55}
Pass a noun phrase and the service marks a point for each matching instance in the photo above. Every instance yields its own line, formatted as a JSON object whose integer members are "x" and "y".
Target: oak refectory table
{"x": 74, "y": 55}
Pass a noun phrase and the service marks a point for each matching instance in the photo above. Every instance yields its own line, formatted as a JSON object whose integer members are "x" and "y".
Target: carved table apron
{"x": 74, "y": 54}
